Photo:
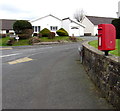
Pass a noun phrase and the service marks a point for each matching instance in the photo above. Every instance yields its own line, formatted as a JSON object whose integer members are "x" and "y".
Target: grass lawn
{"x": 114, "y": 52}
{"x": 3, "y": 41}
{"x": 45, "y": 39}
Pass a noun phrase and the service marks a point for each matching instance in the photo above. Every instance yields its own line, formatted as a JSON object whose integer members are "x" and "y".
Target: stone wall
{"x": 104, "y": 71}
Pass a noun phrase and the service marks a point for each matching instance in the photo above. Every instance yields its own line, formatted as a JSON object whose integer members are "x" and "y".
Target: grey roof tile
{"x": 100, "y": 20}
{"x": 6, "y": 24}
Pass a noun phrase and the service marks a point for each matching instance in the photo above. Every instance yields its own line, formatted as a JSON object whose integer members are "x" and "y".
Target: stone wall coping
{"x": 112, "y": 57}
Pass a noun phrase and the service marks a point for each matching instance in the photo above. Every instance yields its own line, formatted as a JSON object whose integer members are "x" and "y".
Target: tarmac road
{"x": 49, "y": 77}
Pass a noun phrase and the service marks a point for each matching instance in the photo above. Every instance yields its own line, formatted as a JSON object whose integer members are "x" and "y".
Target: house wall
{"x": 4, "y": 31}
{"x": 74, "y": 29}
{"x": 89, "y": 26}
{"x": 81, "y": 31}
{"x": 0, "y": 31}
{"x": 46, "y": 22}
{"x": 77, "y": 29}
{"x": 65, "y": 25}
{"x": 96, "y": 29}
{"x": 68, "y": 25}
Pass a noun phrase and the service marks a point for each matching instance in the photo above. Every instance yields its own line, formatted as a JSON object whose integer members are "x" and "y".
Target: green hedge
{"x": 21, "y": 25}
{"x": 116, "y": 23}
{"x": 62, "y": 32}
{"x": 23, "y": 29}
{"x": 45, "y": 32}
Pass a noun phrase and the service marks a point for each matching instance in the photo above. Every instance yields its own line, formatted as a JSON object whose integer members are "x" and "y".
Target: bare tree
{"x": 79, "y": 15}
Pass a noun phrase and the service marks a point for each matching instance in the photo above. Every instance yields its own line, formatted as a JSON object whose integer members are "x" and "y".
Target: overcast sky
{"x": 33, "y": 9}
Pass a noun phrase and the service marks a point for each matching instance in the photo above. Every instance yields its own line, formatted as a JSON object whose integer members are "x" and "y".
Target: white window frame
{"x": 36, "y": 29}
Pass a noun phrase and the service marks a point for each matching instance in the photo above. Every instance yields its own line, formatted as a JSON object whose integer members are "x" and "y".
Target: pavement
{"x": 52, "y": 78}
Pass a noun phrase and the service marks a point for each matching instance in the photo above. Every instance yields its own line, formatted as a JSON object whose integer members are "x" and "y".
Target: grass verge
{"x": 114, "y": 52}
{"x": 3, "y": 41}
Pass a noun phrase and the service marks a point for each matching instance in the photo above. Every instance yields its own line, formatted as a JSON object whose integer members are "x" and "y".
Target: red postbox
{"x": 106, "y": 37}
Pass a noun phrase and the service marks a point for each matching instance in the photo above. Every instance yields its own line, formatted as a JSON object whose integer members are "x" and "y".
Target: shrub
{"x": 23, "y": 29}
{"x": 11, "y": 33}
{"x": 51, "y": 35}
{"x": 39, "y": 35}
{"x": 35, "y": 34}
{"x": 34, "y": 40}
{"x": 26, "y": 33}
{"x": 116, "y": 23}
{"x": 62, "y": 32}
{"x": 21, "y": 25}
{"x": 73, "y": 39}
{"x": 45, "y": 32}
{"x": 11, "y": 41}
{"x": 3, "y": 35}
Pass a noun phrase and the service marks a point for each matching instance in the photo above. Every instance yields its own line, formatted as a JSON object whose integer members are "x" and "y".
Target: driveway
{"x": 52, "y": 78}
{"x": 89, "y": 38}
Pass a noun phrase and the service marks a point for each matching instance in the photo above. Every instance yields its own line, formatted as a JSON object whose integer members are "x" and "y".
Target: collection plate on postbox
{"x": 106, "y": 37}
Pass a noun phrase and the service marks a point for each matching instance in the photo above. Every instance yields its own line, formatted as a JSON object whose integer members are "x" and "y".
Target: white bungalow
{"x": 53, "y": 24}
{"x": 50, "y": 22}
{"x": 73, "y": 27}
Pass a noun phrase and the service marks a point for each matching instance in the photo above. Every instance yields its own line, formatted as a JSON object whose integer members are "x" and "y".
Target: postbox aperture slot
{"x": 100, "y": 29}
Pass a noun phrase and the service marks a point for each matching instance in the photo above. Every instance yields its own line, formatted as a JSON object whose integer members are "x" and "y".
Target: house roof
{"x": 46, "y": 16}
{"x": 100, "y": 20}
{"x": 74, "y": 21}
{"x": 6, "y": 24}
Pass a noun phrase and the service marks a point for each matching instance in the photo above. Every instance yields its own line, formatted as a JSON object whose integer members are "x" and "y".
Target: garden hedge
{"x": 23, "y": 29}
{"x": 116, "y": 23}
{"x": 62, "y": 32}
{"x": 45, "y": 32}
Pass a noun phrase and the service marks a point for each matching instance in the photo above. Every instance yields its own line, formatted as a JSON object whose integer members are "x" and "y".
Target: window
{"x": 35, "y": 28}
{"x": 7, "y": 31}
{"x": 50, "y": 27}
{"x": 38, "y": 28}
{"x": 53, "y": 28}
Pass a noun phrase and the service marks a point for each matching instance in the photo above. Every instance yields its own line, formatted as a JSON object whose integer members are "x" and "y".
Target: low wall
{"x": 104, "y": 71}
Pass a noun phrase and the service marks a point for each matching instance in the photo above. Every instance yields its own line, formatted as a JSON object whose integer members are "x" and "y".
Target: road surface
{"x": 47, "y": 77}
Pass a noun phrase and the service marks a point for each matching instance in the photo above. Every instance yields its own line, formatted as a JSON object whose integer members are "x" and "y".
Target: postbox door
{"x": 110, "y": 37}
